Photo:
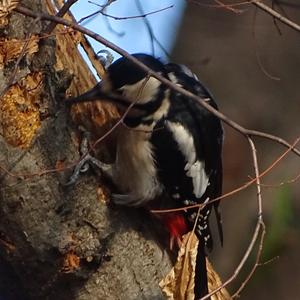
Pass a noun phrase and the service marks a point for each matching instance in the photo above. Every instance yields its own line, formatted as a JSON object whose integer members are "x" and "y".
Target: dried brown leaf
{"x": 214, "y": 282}
{"x": 179, "y": 283}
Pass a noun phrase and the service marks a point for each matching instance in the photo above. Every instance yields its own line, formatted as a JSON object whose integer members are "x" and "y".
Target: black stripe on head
{"x": 147, "y": 109}
{"x": 123, "y": 71}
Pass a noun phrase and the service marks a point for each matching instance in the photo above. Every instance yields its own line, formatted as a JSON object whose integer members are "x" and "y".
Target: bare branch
{"x": 242, "y": 262}
{"x": 276, "y": 15}
{"x": 258, "y": 58}
{"x": 61, "y": 13}
{"x": 260, "y": 221}
{"x": 258, "y": 4}
{"x": 256, "y": 265}
{"x": 137, "y": 16}
{"x": 153, "y": 38}
{"x": 290, "y": 181}
{"x": 228, "y": 7}
{"x": 257, "y": 179}
{"x": 101, "y": 11}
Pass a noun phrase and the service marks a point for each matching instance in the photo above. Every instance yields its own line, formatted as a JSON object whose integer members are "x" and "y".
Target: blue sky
{"x": 132, "y": 34}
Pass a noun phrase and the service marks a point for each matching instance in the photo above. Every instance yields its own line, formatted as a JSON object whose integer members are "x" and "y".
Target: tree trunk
{"x": 59, "y": 242}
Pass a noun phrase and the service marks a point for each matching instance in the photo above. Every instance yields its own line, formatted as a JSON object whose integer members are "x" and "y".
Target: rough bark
{"x": 58, "y": 242}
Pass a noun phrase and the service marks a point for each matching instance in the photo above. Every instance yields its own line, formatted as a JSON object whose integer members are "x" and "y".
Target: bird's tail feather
{"x": 201, "y": 284}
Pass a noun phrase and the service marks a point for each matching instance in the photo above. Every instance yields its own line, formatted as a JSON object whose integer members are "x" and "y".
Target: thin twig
{"x": 263, "y": 7}
{"x": 228, "y": 7}
{"x": 241, "y": 263}
{"x": 221, "y": 5}
{"x": 288, "y": 4}
{"x": 255, "y": 266}
{"x": 61, "y": 13}
{"x": 259, "y": 217}
{"x": 138, "y": 16}
{"x": 258, "y": 57}
{"x": 276, "y": 15}
{"x": 257, "y": 178}
{"x": 150, "y": 31}
{"x": 290, "y": 181}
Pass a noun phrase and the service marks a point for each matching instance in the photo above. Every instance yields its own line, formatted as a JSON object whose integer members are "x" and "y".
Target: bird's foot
{"x": 86, "y": 160}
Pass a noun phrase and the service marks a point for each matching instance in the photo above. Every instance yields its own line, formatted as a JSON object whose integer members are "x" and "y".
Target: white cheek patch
{"x": 142, "y": 91}
{"x": 194, "y": 168}
{"x": 173, "y": 78}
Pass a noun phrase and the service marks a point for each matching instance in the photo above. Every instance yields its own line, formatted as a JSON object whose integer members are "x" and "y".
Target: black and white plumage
{"x": 206, "y": 132}
{"x": 170, "y": 146}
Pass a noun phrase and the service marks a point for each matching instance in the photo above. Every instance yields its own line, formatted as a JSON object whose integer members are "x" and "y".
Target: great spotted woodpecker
{"x": 168, "y": 148}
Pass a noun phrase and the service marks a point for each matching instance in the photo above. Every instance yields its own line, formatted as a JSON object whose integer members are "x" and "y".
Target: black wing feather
{"x": 208, "y": 138}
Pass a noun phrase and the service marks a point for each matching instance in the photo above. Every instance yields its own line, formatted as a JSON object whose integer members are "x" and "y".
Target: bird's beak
{"x": 96, "y": 93}
{"x": 100, "y": 92}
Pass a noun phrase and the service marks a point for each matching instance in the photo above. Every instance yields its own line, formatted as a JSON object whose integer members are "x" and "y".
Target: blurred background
{"x": 251, "y": 64}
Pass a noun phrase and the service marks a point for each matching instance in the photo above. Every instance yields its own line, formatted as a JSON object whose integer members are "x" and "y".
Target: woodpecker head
{"x": 126, "y": 84}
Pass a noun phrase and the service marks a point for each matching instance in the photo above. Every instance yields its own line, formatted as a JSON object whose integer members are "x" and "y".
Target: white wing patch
{"x": 200, "y": 180}
{"x": 194, "y": 168}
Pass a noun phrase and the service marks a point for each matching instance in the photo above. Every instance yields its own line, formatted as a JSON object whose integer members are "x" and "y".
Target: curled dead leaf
{"x": 179, "y": 283}
{"x": 214, "y": 281}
